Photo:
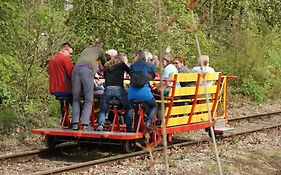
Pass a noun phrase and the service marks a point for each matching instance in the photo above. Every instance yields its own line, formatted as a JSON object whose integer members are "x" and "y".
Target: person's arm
{"x": 165, "y": 74}
{"x": 102, "y": 58}
{"x": 151, "y": 74}
{"x": 68, "y": 65}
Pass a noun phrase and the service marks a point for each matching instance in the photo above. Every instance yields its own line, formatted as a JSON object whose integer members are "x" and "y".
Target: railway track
{"x": 86, "y": 165}
{"x": 264, "y": 115}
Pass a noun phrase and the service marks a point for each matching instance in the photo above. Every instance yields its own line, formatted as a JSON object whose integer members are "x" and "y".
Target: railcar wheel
{"x": 50, "y": 141}
{"x": 129, "y": 146}
{"x": 218, "y": 136}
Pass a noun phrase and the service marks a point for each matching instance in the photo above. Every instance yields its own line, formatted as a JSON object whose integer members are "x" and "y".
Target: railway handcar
{"x": 185, "y": 109}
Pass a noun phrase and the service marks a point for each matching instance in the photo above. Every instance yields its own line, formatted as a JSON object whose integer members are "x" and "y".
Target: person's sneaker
{"x": 99, "y": 128}
{"x": 75, "y": 126}
{"x": 148, "y": 128}
{"x": 86, "y": 128}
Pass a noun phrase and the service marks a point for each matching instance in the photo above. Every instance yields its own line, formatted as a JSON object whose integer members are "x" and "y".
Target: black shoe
{"x": 75, "y": 126}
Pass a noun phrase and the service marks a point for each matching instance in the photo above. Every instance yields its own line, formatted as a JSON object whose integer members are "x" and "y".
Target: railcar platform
{"x": 115, "y": 135}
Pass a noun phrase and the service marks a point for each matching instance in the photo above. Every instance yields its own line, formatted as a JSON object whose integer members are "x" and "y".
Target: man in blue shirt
{"x": 143, "y": 93}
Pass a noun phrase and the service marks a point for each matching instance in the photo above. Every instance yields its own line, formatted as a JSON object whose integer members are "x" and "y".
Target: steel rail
{"x": 254, "y": 116}
{"x": 23, "y": 154}
{"x": 27, "y": 153}
{"x": 85, "y": 165}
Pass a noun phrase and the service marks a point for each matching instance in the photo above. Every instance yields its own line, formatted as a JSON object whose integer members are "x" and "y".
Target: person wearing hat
{"x": 111, "y": 53}
{"x": 169, "y": 70}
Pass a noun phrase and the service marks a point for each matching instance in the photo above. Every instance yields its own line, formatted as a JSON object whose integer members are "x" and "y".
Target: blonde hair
{"x": 115, "y": 60}
{"x": 204, "y": 59}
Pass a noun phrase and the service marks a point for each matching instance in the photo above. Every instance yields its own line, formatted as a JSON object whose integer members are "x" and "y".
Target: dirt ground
{"x": 254, "y": 154}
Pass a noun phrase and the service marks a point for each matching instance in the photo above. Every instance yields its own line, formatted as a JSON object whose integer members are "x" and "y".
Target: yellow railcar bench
{"x": 189, "y": 107}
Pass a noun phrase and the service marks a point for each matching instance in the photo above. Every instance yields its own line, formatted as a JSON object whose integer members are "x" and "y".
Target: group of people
{"x": 76, "y": 81}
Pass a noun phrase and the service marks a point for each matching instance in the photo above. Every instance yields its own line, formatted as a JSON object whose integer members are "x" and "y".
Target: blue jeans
{"x": 120, "y": 94}
{"x": 150, "y": 108}
{"x": 82, "y": 81}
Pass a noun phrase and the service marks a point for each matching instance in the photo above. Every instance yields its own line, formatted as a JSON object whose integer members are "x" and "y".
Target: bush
{"x": 8, "y": 119}
{"x": 254, "y": 90}
{"x": 5, "y": 97}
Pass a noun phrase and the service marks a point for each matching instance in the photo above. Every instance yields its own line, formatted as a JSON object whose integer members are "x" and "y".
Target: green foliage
{"x": 252, "y": 88}
{"x": 5, "y": 97}
{"x": 242, "y": 38}
{"x": 30, "y": 33}
{"x": 8, "y": 119}
{"x": 8, "y": 69}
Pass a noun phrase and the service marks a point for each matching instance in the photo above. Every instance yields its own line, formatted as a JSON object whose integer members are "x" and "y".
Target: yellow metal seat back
{"x": 189, "y": 104}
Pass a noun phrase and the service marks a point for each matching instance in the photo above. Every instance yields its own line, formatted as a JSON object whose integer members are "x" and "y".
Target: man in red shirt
{"x": 60, "y": 69}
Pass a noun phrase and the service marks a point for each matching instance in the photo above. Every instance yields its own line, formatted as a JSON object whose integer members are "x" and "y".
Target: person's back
{"x": 114, "y": 88}
{"x": 60, "y": 67}
{"x": 114, "y": 74}
{"x": 82, "y": 81}
{"x": 90, "y": 55}
{"x": 204, "y": 60}
{"x": 143, "y": 94}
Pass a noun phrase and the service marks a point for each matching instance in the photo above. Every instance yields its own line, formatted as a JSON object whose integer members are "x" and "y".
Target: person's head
{"x": 167, "y": 59}
{"x": 155, "y": 61}
{"x": 204, "y": 59}
{"x": 111, "y": 53}
{"x": 66, "y": 49}
{"x": 124, "y": 58}
{"x": 97, "y": 43}
{"x": 139, "y": 55}
{"x": 118, "y": 58}
{"x": 179, "y": 62}
{"x": 148, "y": 56}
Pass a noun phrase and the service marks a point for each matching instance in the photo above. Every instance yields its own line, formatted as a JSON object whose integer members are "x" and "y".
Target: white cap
{"x": 111, "y": 52}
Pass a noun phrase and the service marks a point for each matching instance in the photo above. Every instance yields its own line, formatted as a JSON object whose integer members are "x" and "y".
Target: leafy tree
{"x": 31, "y": 31}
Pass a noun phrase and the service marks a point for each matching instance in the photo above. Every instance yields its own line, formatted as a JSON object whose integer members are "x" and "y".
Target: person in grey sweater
{"x": 83, "y": 84}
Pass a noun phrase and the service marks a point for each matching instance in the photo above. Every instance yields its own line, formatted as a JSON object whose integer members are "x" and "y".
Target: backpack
{"x": 138, "y": 79}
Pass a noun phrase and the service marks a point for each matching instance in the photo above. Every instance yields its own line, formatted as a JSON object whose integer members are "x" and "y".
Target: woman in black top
{"x": 114, "y": 87}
